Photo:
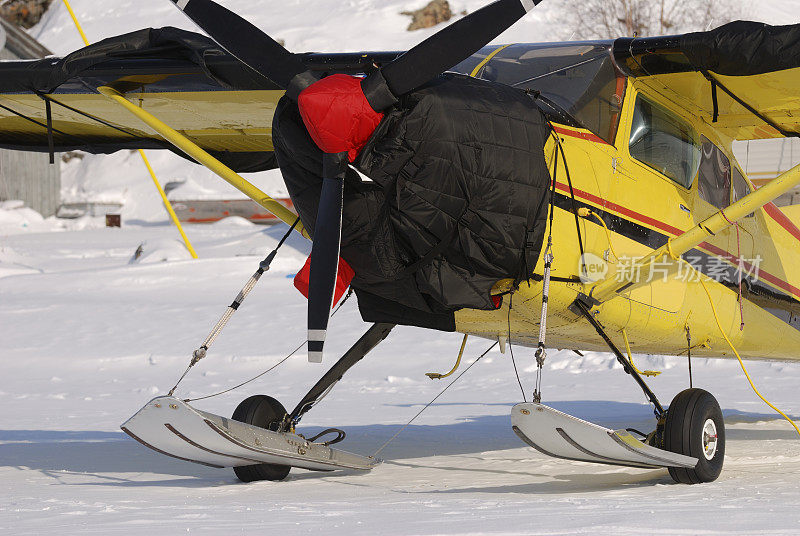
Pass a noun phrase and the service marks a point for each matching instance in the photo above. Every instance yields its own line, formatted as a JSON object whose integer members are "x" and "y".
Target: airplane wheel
{"x": 694, "y": 427}
{"x": 265, "y": 412}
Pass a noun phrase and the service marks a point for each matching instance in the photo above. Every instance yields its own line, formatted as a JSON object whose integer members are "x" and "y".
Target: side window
{"x": 739, "y": 188}
{"x": 714, "y": 178}
{"x": 665, "y": 142}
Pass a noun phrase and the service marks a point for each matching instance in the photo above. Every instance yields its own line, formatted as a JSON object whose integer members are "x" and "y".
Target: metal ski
{"x": 170, "y": 426}
{"x": 560, "y": 435}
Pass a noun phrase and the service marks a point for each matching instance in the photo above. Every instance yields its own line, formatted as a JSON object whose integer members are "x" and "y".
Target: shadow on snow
{"x": 107, "y": 454}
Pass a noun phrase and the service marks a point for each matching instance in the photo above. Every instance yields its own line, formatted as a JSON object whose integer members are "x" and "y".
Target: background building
{"x": 27, "y": 176}
{"x": 763, "y": 160}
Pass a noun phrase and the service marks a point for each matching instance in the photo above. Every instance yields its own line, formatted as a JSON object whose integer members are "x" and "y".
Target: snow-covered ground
{"x": 87, "y": 337}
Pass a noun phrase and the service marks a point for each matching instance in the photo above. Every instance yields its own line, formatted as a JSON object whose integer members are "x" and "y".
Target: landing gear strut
{"x": 692, "y": 425}
{"x": 266, "y": 412}
{"x": 582, "y": 309}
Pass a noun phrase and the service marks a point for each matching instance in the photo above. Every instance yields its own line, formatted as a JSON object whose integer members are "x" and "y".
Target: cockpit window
{"x": 579, "y": 78}
{"x": 665, "y": 142}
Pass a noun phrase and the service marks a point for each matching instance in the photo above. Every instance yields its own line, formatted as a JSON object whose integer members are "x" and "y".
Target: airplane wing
{"x": 182, "y": 77}
{"x": 728, "y": 76}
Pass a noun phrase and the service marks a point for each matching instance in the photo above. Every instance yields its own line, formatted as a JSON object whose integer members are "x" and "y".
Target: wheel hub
{"x": 710, "y": 439}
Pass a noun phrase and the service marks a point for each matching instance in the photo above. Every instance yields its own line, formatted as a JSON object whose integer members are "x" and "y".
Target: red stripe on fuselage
{"x": 674, "y": 231}
{"x": 780, "y": 283}
{"x": 770, "y": 208}
{"x": 780, "y": 218}
{"x": 588, "y": 136}
{"x": 620, "y": 209}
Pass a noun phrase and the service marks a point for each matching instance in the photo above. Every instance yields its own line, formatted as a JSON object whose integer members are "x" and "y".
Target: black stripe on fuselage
{"x": 776, "y": 302}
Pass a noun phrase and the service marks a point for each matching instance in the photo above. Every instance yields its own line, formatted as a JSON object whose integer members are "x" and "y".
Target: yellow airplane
{"x": 560, "y": 195}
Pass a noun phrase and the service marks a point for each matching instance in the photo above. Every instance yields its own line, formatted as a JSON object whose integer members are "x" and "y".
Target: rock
{"x": 24, "y": 13}
{"x": 436, "y": 12}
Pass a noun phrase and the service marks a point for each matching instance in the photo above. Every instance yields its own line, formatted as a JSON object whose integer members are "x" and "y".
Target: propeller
{"x": 444, "y": 49}
{"x": 348, "y": 107}
{"x": 244, "y": 41}
{"x": 325, "y": 252}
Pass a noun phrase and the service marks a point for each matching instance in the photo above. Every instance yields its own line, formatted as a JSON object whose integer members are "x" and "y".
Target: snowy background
{"x": 87, "y": 337}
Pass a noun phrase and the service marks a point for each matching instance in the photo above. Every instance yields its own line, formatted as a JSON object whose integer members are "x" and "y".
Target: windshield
{"x": 578, "y": 77}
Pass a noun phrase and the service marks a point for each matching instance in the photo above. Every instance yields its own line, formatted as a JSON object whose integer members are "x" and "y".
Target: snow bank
{"x": 14, "y": 213}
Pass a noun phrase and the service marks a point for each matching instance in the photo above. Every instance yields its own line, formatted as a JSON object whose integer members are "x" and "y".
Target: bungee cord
{"x": 449, "y": 385}
{"x": 273, "y": 367}
{"x": 263, "y": 266}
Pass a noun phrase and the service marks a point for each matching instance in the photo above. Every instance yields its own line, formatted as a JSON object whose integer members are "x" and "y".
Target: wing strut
{"x": 194, "y": 151}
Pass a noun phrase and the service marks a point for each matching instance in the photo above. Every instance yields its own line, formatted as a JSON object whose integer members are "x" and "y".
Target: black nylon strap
{"x": 43, "y": 125}
{"x": 467, "y": 221}
{"x": 50, "y": 142}
{"x": 572, "y": 195}
{"x": 377, "y": 91}
{"x": 715, "y": 101}
{"x": 767, "y": 120}
{"x": 299, "y": 82}
{"x": 87, "y": 115}
{"x": 428, "y": 257}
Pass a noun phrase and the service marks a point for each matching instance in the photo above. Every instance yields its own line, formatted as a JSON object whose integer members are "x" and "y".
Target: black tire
{"x": 265, "y": 412}
{"x": 691, "y": 416}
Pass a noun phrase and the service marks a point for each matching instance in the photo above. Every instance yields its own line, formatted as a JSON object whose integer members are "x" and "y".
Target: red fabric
{"x": 497, "y": 300}
{"x": 343, "y": 278}
{"x": 337, "y": 114}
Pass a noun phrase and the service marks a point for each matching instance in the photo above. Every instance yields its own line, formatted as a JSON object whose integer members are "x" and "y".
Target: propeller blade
{"x": 325, "y": 252}
{"x": 443, "y": 50}
{"x": 247, "y": 43}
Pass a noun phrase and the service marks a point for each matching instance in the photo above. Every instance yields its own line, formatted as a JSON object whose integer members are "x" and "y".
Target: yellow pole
{"x": 607, "y": 288}
{"x": 161, "y": 192}
{"x": 167, "y": 204}
{"x": 77, "y": 23}
{"x": 196, "y": 152}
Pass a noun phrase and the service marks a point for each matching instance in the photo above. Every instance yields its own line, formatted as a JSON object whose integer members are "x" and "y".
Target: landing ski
{"x": 560, "y": 435}
{"x": 172, "y": 427}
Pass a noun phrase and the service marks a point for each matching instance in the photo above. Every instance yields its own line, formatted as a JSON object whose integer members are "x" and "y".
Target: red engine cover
{"x": 337, "y": 114}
